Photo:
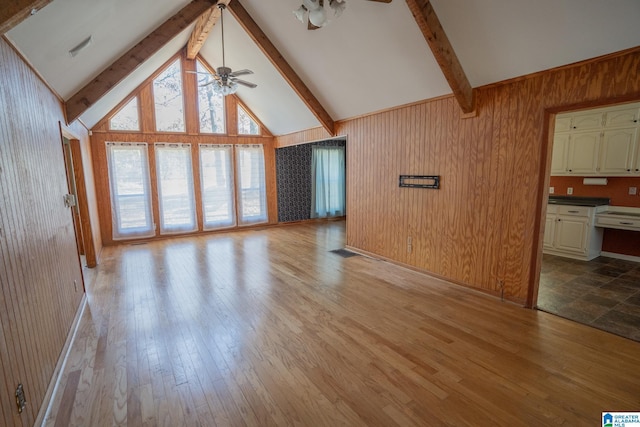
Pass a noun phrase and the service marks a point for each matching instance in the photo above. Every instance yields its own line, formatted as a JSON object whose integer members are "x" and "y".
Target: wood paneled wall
{"x": 481, "y": 229}
{"x": 148, "y": 134}
{"x": 38, "y": 257}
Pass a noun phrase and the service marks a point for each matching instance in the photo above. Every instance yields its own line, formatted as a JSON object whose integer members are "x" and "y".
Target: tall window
{"x": 130, "y": 195}
{"x": 167, "y": 96}
{"x": 175, "y": 188}
{"x": 252, "y": 197}
{"x": 210, "y": 104}
{"x": 217, "y": 186}
{"x": 246, "y": 124}
{"x": 328, "y": 182}
{"x": 127, "y": 118}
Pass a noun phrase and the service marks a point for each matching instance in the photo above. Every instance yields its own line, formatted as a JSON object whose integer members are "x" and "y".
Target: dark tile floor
{"x": 603, "y": 293}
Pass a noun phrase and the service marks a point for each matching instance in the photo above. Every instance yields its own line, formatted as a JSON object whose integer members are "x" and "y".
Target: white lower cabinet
{"x": 570, "y": 231}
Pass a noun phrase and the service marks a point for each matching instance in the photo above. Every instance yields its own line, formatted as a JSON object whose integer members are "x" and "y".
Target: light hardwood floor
{"x": 269, "y": 327}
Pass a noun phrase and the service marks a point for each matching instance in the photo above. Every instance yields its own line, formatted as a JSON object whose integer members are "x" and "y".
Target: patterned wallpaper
{"x": 293, "y": 176}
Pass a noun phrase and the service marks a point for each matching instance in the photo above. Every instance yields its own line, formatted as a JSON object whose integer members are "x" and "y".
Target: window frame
{"x": 163, "y": 229}
{"x": 122, "y": 107}
{"x": 239, "y": 107}
{"x": 179, "y": 61}
{"x": 210, "y": 226}
{"x": 116, "y": 230}
{"x": 264, "y": 218}
{"x": 224, "y": 104}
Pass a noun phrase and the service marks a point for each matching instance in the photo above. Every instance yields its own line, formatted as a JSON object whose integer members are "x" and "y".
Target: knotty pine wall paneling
{"x": 38, "y": 257}
{"x": 481, "y": 228}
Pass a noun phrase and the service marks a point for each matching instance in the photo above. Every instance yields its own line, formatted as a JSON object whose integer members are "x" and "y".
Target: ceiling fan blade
{"x": 240, "y": 73}
{"x": 245, "y": 83}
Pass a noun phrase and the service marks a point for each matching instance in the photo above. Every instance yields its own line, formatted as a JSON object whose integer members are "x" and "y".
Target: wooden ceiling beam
{"x": 437, "y": 40}
{"x": 127, "y": 63}
{"x": 204, "y": 25}
{"x": 14, "y": 12}
{"x": 278, "y": 61}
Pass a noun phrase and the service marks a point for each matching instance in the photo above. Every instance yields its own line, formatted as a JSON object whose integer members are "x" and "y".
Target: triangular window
{"x": 210, "y": 103}
{"x": 127, "y": 118}
{"x": 167, "y": 96}
{"x": 246, "y": 124}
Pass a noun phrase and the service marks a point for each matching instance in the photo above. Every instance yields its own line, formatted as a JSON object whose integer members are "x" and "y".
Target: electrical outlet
{"x": 570, "y": 190}
{"x": 552, "y": 190}
{"x": 633, "y": 191}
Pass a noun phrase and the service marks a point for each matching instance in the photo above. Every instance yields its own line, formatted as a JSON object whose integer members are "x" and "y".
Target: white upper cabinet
{"x": 563, "y": 124}
{"x": 559, "y": 155}
{"x": 624, "y": 117}
{"x": 598, "y": 142}
{"x": 583, "y": 153}
{"x": 586, "y": 121}
{"x": 617, "y": 150}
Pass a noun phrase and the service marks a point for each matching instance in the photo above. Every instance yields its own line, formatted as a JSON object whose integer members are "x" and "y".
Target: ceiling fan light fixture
{"x": 315, "y": 12}
{"x": 318, "y": 17}
{"x": 301, "y": 13}
{"x": 225, "y": 88}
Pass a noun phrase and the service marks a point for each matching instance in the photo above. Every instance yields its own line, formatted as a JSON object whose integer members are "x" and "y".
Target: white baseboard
{"x": 45, "y": 408}
{"x": 621, "y": 256}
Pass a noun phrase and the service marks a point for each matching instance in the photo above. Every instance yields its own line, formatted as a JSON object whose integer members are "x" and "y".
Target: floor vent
{"x": 344, "y": 253}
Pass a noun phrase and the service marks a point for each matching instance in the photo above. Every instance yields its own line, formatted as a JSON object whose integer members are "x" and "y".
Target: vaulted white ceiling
{"x": 371, "y": 58}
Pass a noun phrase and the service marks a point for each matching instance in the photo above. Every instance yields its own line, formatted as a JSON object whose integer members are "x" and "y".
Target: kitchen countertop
{"x": 578, "y": 201}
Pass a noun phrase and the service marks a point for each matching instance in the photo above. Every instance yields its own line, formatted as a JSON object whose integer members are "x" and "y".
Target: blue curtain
{"x": 327, "y": 182}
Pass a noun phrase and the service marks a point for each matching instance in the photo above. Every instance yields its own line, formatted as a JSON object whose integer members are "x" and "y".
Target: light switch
{"x": 552, "y": 190}
{"x": 570, "y": 190}
{"x": 633, "y": 191}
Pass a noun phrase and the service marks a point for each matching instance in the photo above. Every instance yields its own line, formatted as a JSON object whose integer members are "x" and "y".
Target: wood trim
{"x": 278, "y": 61}
{"x": 443, "y": 52}
{"x": 14, "y": 12}
{"x": 122, "y": 67}
{"x": 200, "y": 33}
{"x": 596, "y": 59}
{"x": 83, "y": 206}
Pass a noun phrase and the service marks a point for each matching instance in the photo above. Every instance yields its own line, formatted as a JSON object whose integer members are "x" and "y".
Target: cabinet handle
{"x": 570, "y": 170}
{"x": 573, "y": 211}
{"x": 628, "y": 170}
{"x": 625, "y": 223}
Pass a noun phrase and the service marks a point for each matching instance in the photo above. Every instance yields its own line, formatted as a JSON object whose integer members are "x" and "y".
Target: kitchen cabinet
{"x": 600, "y": 142}
{"x": 584, "y": 148}
{"x": 559, "y": 155}
{"x": 618, "y": 148}
{"x": 570, "y": 231}
{"x": 587, "y": 121}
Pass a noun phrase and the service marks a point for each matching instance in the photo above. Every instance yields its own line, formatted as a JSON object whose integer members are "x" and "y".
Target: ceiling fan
{"x": 225, "y": 81}
{"x": 313, "y": 11}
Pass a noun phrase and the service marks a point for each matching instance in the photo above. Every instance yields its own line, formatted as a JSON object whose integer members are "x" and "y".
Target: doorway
{"x": 589, "y": 164}
{"x": 78, "y": 201}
